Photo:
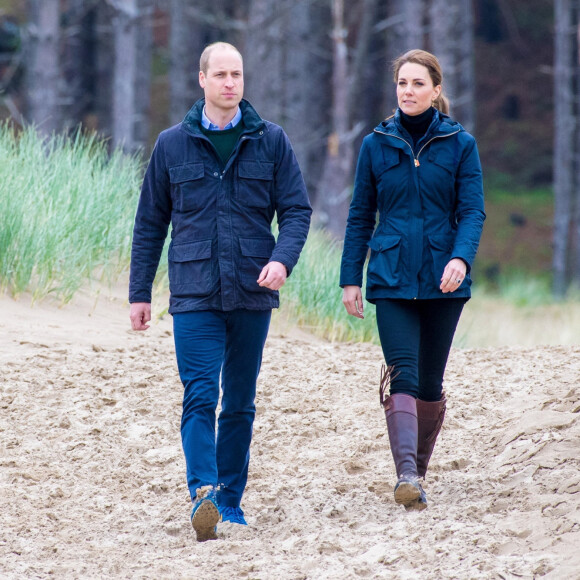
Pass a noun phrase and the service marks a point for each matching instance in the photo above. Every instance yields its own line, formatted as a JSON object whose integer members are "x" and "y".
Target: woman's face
{"x": 415, "y": 90}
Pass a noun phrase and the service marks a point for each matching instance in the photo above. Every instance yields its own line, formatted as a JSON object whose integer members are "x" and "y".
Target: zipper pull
{"x": 417, "y": 162}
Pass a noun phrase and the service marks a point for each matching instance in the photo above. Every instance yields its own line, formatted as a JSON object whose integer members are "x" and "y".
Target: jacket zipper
{"x": 416, "y": 159}
{"x": 432, "y": 139}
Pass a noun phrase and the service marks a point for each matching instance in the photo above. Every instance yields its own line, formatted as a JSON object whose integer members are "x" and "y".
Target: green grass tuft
{"x": 67, "y": 209}
{"x": 312, "y": 297}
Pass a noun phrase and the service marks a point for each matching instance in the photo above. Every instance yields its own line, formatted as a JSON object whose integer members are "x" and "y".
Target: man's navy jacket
{"x": 220, "y": 216}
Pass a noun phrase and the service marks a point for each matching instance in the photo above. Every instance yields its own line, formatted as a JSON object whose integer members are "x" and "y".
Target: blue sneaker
{"x": 205, "y": 514}
{"x": 235, "y": 515}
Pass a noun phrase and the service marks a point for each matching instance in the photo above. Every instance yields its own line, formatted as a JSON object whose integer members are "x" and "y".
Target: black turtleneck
{"x": 417, "y": 125}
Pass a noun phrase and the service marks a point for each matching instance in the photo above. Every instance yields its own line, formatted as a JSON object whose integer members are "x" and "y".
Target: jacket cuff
{"x": 140, "y": 296}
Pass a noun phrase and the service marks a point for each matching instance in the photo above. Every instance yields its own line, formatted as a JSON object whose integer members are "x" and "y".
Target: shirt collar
{"x": 207, "y": 124}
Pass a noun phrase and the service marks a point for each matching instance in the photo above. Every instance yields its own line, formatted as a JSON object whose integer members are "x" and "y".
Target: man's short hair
{"x": 204, "y": 59}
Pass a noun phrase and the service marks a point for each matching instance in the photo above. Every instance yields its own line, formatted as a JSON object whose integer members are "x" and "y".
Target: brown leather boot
{"x": 401, "y": 415}
{"x": 430, "y": 417}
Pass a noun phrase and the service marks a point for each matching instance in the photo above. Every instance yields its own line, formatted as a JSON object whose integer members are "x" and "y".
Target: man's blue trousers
{"x": 208, "y": 343}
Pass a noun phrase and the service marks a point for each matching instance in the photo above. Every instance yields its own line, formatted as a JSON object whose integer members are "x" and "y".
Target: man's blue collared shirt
{"x": 207, "y": 124}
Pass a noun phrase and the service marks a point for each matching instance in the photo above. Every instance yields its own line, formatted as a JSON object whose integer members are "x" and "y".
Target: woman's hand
{"x": 453, "y": 275}
{"x": 352, "y": 300}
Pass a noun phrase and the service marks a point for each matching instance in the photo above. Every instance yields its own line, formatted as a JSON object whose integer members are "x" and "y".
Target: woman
{"x": 420, "y": 170}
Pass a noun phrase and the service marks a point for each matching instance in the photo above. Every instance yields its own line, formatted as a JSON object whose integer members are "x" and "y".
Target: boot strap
{"x": 385, "y": 383}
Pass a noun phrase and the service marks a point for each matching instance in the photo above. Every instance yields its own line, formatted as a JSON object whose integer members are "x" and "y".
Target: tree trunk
{"x": 405, "y": 30}
{"x": 564, "y": 144}
{"x": 125, "y": 42}
{"x": 303, "y": 111}
{"x": 264, "y": 59}
{"x": 334, "y": 192}
{"x": 104, "y": 76}
{"x": 452, "y": 43}
{"x": 359, "y": 97}
{"x": 143, "y": 53}
{"x": 465, "y": 103}
{"x": 575, "y": 242}
{"x": 409, "y": 32}
{"x": 131, "y": 86}
{"x": 43, "y": 67}
{"x": 79, "y": 63}
{"x": 189, "y": 35}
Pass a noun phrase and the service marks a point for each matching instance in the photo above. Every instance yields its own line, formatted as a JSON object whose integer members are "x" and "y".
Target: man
{"x": 218, "y": 178}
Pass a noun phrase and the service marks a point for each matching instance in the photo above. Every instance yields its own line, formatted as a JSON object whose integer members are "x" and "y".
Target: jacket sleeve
{"x": 361, "y": 221}
{"x": 469, "y": 207}
{"x": 151, "y": 225}
{"x": 293, "y": 208}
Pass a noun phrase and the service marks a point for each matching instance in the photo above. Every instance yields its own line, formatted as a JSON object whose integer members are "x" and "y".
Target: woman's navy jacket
{"x": 220, "y": 217}
{"x": 430, "y": 204}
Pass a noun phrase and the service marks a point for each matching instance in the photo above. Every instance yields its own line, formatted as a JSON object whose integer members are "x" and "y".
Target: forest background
{"x": 91, "y": 476}
{"x": 126, "y": 69}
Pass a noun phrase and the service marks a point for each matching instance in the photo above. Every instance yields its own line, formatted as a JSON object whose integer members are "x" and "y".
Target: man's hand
{"x": 352, "y": 300}
{"x": 273, "y": 275}
{"x": 140, "y": 315}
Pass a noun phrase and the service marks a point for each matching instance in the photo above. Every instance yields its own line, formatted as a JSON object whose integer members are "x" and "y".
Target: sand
{"x": 92, "y": 478}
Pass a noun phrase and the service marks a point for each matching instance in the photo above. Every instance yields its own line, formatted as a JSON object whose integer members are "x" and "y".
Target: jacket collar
{"x": 250, "y": 118}
{"x": 441, "y": 126}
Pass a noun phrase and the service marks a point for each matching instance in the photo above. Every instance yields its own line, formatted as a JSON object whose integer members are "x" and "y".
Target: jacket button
{"x": 215, "y": 173}
{"x": 261, "y": 132}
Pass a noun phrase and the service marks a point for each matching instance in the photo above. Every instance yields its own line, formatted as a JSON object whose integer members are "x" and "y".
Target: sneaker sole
{"x": 205, "y": 520}
{"x": 407, "y": 493}
{"x": 416, "y": 506}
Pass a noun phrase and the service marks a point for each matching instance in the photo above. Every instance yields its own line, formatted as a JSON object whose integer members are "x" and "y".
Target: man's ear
{"x": 201, "y": 79}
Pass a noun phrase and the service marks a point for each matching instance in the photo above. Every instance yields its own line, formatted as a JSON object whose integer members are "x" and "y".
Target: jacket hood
{"x": 252, "y": 121}
{"x": 441, "y": 124}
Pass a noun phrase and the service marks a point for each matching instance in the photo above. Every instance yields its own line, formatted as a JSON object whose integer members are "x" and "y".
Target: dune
{"x": 92, "y": 477}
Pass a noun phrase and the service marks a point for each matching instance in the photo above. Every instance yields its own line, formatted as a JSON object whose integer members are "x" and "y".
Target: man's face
{"x": 223, "y": 84}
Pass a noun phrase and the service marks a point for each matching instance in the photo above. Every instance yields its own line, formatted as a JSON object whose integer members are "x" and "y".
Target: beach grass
{"x": 67, "y": 206}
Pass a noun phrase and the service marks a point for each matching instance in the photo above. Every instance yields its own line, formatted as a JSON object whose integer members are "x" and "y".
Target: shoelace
{"x": 234, "y": 515}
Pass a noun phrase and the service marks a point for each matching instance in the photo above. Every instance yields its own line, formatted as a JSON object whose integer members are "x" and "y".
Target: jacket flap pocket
{"x": 256, "y": 170}
{"x": 257, "y": 247}
{"x": 382, "y": 243}
{"x": 187, "y": 172}
{"x": 391, "y": 157}
{"x": 443, "y": 157}
{"x": 191, "y": 251}
{"x": 442, "y": 243}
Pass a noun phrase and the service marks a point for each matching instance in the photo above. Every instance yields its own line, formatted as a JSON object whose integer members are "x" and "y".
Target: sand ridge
{"x": 92, "y": 475}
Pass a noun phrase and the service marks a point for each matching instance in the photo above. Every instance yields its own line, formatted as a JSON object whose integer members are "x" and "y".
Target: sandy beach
{"x": 92, "y": 480}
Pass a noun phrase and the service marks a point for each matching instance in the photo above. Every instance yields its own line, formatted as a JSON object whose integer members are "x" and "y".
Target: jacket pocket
{"x": 191, "y": 269}
{"x": 384, "y": 269}
{"x": 256, "y": 253}
{"x": 443, "y": 158}
{"x": 440, "y": 246}
{"x": 391, "y": 158}
{"x": 187, "y": 190}
{"x": 254, "y": 183}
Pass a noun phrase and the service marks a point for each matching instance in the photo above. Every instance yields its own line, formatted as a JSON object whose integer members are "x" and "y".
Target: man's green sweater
{"x": 224, "y": 141}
